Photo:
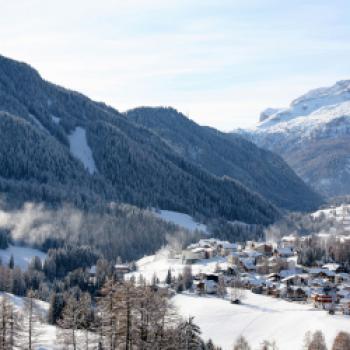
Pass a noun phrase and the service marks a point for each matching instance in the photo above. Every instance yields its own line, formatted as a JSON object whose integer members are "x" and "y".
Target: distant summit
{"x": 313, "y": 136}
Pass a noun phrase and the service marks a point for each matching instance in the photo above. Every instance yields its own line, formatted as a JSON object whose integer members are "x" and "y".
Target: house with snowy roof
{"x": 284, "y": 252}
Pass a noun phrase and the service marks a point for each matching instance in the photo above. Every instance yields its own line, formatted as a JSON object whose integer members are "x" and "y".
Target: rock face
{"x": 313, "y": 136}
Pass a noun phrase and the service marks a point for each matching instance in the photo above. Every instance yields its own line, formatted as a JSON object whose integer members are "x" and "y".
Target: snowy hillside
{"x": 307, "y": 104}
{"x": 22, "y": 255}
{"x": 47, "y": 335}
{"x": 313, "y": 136}
{"x": 80, "y": 149}
{"x": 311, "y": 125}
{"x": 159, "y": 264}
{"x": 182, "y": 220}
{"x": 258, "y": 318}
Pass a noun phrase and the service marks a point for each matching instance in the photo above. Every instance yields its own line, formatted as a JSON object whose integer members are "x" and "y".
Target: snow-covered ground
{"x": 258, "y": 318}
{"x": 319, "y": 106}
{"x": 182, "y": 220}
{"x": 22, "y": 255}
{"x": 323, "y": 112}
{"x": 160, "y": 263}
{"x": 335, "y": 212}
{"x": 46, "y": 338}
{"x": 47, "y": 333}
{"x": 80, "y": 149}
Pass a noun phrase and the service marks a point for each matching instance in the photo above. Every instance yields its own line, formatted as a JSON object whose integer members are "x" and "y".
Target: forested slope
{"x": 229, "y": 154}
{"x": 134, "y": 165}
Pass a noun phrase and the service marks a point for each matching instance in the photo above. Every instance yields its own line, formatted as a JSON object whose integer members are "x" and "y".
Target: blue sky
{"x": 220, "y": 62}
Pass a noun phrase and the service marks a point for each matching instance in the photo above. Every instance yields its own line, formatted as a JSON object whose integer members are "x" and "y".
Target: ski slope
{"x": 259, "y": 318}
{"x": 22, "y": 255}
{"x": 183, "y": 220}
{"x": 81, "y": 150}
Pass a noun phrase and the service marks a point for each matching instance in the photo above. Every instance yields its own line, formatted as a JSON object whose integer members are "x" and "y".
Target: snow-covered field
{"x": 22, "y": 255}
{"x": 81, "y": 150}
{"x": 182, "y": 220}
{"x": 259, "y": 318}
{"x": 160, "y": 263}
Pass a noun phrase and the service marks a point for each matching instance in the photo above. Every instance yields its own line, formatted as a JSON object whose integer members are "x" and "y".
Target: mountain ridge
{"x": 313, "y": 136}
{"x": 134, "y": 165}
{"x": 228, "y": 155}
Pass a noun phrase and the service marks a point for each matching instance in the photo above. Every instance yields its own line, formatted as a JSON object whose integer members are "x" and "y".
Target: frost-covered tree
{"x": 241, "y": 344}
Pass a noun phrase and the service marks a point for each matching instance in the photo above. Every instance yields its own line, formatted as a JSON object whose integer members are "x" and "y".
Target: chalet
{"x": 120, "y": 270}
{"x": 193, "y": 255}
{"x": 284, "y": 252}
{"x": 205, "y": 286}
{"x": 273, "y": 277}
{"x": 289, "y": 272}
{"x": 289, "y": 241}
{"x": 294, "y": 293}
{"x": 92, "y": 274}
{"x": 248, "y": 265}
{"x": 233, "y": 259}
{"x": 264, "y": 249}
{"x": 296, "y": 280}
{"x": 322, "y": 300}
{"x": 322, "y": 273}
{"x": 342, "y": 277}
{"x": 268, "y": 265}
{"x": 345, "y": 306}
{"x": 227, "y": 248}
{"x": 333, "y": 267}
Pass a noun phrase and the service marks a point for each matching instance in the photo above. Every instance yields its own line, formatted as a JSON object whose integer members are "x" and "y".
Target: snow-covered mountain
{"x": 313, "y": 136}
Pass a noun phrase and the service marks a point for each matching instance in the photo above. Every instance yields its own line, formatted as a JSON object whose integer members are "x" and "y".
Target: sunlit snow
{"x": 22, "y": 255}
{"x": 81, "y": 150}
{"x": 182, "y": 220}
{"x": 259, "y": 318}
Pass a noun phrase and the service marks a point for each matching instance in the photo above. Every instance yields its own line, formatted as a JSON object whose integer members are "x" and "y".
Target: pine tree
{"x": 168, "y": 278}
{"x": 190, "y": 335}
{"x": 11, "y": 262}
{"x": 187, "y": 277}
{"x": 55, "y": 308}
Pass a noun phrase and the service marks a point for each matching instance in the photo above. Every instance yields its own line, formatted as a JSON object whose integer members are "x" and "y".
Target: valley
{"x": 145, "y": 230}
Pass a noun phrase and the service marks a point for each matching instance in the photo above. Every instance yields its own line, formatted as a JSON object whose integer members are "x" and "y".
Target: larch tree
{"x": 341, "y": 341}
{"x": 241, "y": 344}
{"x": 31, "y": 322}
{"x": 317, "y": 342}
